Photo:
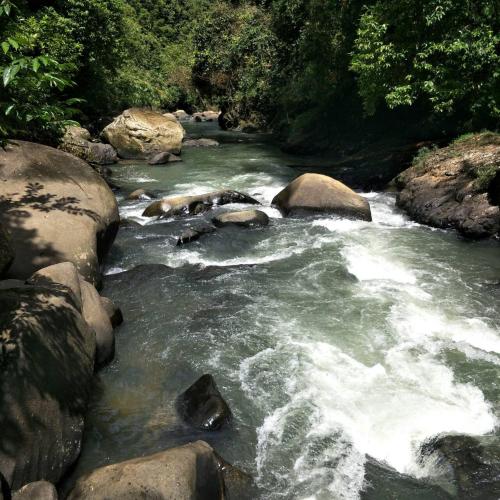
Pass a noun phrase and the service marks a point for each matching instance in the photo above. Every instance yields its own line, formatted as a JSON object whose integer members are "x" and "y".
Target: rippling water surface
{"x": 341, "y": 346}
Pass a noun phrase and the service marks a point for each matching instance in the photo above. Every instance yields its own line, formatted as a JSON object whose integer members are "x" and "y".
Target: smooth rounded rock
{"x": 245, "y": 218}
{"x": 46, "y": 376}
{"x": 56, "y": 208}
{"x": 202, "y": 405}
{"x": 39, "y": 490}
{"x": 189, "y": 472}
{"x": 320, "y": 193}
{"x": 140, "y": 133}
{"x": 98, "y": 319}
{"x": 162, "y": 158}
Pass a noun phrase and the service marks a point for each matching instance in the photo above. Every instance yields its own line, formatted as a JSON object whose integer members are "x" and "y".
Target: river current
{"x": 341, "y": 346}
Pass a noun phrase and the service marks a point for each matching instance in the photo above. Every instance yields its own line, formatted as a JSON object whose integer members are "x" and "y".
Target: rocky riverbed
{"x": 319, "y": 340}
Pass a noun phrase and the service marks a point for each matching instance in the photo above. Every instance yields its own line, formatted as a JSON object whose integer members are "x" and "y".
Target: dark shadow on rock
{"x": 46, "y": 367}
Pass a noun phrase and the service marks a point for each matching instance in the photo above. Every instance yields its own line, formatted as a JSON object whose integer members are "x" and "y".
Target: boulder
{"x": 202, "y": 405}
{"x": 200, "y": 143}
{"x": 6, "y": 251}
{"x": 39, "y": 490}
{"x": 114, "y": 313}
{"x": 162, "y": 158}
{"x": 140, "y": 194}
{"x": 130, "y": 224}
{"x": 56, "y": 209}
{"x": 189, "y": 472}
{"x": 140, "y": 133}
{"x": 64, "y": 274}
{"x": 193, "y": 234}
{"x": 455, "y": 187}
{"x": 245, "y": 218}
{"x": 76, "y": 141}
{"x": 206, "y": 116}
{"x": 474, "y": 465}
{"x": 192, "y": 205}
{"x": 47, "y": 356}
{"x": 170, "y": 116}
{"x": 98, "y": 319}
{"x": 181, "y": 115}
{"x": 320, "y": 193}
{"x": 238, "y": 484}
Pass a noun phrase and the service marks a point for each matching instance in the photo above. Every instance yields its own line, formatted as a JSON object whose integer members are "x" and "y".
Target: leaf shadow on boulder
{"x": 46, "y": 368}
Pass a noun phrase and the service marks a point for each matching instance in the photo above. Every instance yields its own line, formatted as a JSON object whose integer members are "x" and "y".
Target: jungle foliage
{"x": 309, "y": 69}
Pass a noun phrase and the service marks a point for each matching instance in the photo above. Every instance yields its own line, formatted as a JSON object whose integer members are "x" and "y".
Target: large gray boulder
{"x": 77, "y": 141}
{"x": 140, "y": 133}
{"x": 56, "y": 209}
{"x": 320, "y": 193}
{"x": 46, "y": 367}
{"x": 190, "y": 472}
{"x": 6, "y": 251}
{"x": 192, "y": 205}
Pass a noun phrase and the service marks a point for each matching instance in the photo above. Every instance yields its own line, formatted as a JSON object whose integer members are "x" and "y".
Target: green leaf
{"x": 5, "y": 47}
{"x": 9, "y": 109}
{"x": 6, "y": 75}
{"x": 36, "y": 64}
{"x": 14, "y": 43}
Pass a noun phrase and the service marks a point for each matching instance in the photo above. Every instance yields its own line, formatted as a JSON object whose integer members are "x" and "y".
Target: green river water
{"x": 341, "y": 346}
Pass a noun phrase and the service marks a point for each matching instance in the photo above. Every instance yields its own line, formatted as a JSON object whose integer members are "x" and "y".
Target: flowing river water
{"x": 341, "y": 346}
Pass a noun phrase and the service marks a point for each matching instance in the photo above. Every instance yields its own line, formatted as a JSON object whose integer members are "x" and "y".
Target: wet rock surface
{"x": 202, "y": 405}
{"x": 244, "y": 218}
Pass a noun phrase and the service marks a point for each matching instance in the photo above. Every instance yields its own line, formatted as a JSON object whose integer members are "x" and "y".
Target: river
{"x": 341, "y": 346}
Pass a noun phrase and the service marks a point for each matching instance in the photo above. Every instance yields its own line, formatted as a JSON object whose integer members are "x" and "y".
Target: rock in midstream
{"x": 193, "y": 205}
{"x": 202, "y": 405}
{"x": 245, "y": 218}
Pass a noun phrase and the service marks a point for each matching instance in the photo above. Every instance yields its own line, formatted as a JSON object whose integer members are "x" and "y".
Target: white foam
{"x": 367, "y": 264}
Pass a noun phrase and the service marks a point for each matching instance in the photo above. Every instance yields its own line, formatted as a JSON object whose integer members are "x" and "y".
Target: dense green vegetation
{"x": 312, "y": 70}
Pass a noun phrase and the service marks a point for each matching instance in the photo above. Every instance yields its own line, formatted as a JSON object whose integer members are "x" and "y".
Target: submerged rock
{"x": 192, "y": 234}
{"x": 193, "y": 205}
{"x": 320, "y": 193}
{"x": 46, "y": 368}
{"x": 77, "y": 141}
{"x": 56, "y": 208}
{"x": 475, "y": 465}
{"x": 162, "y": 158}
{"x": 200, "y": 143}
{"x": 189, "y": 472}
{"x": 457, "y": 186}
{"x": 40, "y": 490}
{"x": 6, "y": 251}
{"x": 245, "y": 218}
{"x": 140, "y": 133}
{"x": 202, "y": 405}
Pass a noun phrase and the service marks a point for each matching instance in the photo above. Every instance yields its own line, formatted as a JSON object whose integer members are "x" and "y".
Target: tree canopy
{"x": 303, "y": 68}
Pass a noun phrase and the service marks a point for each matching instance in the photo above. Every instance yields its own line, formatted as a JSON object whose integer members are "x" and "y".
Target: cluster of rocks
{"x": 309, "y": 193}
{"x": 140, "y": 134}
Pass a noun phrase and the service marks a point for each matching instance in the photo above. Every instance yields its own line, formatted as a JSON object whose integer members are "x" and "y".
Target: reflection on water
{"x": 334, "y": 341}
